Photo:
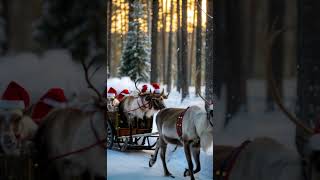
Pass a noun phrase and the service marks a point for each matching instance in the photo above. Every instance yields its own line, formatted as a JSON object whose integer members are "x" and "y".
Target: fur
{"x": 265, "y": 159}
{"x": 66, "y": 130}
{"x": 18, "y": 128}
{"x": 196, "y": 133}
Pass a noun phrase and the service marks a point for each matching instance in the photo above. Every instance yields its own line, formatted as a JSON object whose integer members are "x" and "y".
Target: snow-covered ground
{"x": 256, "y": 122}
{"x": 134, "y": 164}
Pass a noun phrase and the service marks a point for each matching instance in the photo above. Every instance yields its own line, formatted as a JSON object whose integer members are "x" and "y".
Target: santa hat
{"x": 125, "y": 92}
{"x": 144, "y": 88}
{"x": 15, "y": 97}
{"x": 156, "y": 87}
{"x": 54, "y": 97}
{"x": 112, "y": 92}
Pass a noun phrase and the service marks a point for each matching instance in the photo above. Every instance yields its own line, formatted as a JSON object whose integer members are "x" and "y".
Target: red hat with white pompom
{"x": 156, "y": 87}
{"x": 15, "y": 97}
{"x": 111, "y": 92}
{"x": 54, "y": 98}
{"x": 123, "y": 93}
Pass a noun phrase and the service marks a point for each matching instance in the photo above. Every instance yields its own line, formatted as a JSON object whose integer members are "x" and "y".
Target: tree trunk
{"x": 109, "y": 19}
{"x": 149, "y": 22}
{"x": 308, "y": 69}
{"x": 191, "y": 57}
{"x": 5, "y": 15}
{"x": 198, "y": 47}
{"x": 233, "y": 79}
{"x": 184, "y": 51}
{"x": 154, "y": 40}
{"x": 276, "y": 11}
{"x": 209, "y": 52}
{"x": 219, "y": 63}
{"x": 164, "y": 41}
{"x": 169, "y": 64}
{"x": 178, "y": 47}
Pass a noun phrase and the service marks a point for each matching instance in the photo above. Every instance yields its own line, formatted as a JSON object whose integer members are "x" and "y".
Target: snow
{"x": 256, "y": 122}
{"x": 134, "y": 164}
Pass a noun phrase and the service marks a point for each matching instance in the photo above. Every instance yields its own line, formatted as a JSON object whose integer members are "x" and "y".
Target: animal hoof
{"x": 151, "y": 163}
{"x": 169, "y": 175}
{"x": 186, "y": 173}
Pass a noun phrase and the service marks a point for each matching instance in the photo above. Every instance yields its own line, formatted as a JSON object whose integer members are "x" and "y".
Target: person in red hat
{"x": 111, "y": 95}
{"x": 15, "y": 97}
{"x": 156, "y": 87}
{"x": 53, "y": 98}
{"x": 123, "y": 93}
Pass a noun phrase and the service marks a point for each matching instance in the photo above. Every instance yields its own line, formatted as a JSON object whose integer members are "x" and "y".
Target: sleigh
{"x": 138, "y": 136}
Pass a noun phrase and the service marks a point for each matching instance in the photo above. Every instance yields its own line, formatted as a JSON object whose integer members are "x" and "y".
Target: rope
{"x": 77, "y": 151}
{"x": 99, "y": 142}
{"x": 136, "y": 108}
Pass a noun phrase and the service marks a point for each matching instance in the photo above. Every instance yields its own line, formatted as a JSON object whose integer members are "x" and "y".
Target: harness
{"x": 100, "y": 142}
{"x": 139, "y": 106}
{"x": 223, "y": 170}
{"x": 179, "y": 122}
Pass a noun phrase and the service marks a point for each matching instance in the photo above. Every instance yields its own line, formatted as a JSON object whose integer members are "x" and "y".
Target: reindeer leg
{"x": 155, "y": 155}
{"x": 196, "y": 156}
{"x": 187, "y": 152}
{"x": 163, "y": 146}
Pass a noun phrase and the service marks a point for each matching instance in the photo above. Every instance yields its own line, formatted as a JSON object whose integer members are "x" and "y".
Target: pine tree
{"x": 76, "y": 25}
{"x": 135, "y": 60}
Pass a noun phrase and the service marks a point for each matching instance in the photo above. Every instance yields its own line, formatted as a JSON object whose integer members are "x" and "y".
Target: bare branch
{"x": 90, "y": 85}
{"x": 95, "y": 71}
{"x": 135, "y": 84}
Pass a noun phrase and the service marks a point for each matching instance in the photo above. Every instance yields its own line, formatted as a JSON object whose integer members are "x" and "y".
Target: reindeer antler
{"x": 86, "y": 72}
{"x": 270, "y": 37}
{"x": 135, "y": 84}
{"x": 207, "y": 102}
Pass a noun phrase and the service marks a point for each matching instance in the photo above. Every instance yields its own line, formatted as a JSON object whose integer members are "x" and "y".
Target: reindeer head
{"x": 14, "y": 128}
{"x": 154, "y": 101}
{"x": 209, "y": 109}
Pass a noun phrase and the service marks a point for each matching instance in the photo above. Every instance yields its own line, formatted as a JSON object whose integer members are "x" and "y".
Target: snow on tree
{"x": 135, "y": 59}
{"x": 75, "y": 25}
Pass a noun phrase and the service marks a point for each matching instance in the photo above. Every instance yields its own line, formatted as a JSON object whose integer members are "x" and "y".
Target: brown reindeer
{"x": 191, "y": 128}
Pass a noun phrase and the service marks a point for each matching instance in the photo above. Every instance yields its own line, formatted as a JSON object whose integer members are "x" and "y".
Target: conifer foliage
{"x": 75, "y": 25}
{"x": 135, "y": 60}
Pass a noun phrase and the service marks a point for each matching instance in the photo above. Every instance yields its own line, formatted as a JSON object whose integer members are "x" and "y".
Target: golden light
{"x": 121, "y": 10}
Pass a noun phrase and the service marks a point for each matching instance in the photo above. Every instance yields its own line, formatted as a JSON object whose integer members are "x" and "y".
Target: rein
{"x": 98, "y": 142}
{"x": 140, "y": 107}
{"x": 223, "y": 171}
